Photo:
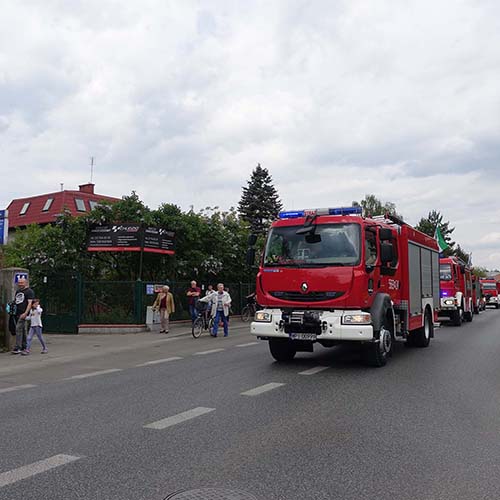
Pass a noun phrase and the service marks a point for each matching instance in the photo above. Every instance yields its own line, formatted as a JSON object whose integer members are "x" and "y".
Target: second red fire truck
{"x": 332, "y": 276}
{"x": 456, "y": 290}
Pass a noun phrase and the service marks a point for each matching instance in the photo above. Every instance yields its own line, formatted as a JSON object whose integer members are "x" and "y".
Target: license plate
{"x": 303, "y": 336}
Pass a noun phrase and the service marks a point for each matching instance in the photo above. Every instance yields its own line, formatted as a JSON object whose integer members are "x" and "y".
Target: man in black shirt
{"x": 24, "y": 298}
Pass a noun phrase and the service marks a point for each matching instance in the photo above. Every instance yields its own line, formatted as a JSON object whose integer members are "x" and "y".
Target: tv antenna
{"x": 91, "y": 169}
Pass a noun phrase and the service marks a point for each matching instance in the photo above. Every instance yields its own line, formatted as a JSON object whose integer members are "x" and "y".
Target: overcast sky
{"x": 179, "y": 100}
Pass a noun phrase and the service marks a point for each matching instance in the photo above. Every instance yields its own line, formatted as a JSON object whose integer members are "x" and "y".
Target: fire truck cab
{"x": 490, "y": 292}
{"x": 456, "y": 290}
{"x": 331, "y": 276}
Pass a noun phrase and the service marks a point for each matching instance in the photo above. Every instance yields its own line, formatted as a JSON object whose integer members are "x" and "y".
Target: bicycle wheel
{"x": 198, "y": 325}
{"x": 211, "y": 325}
{"x": 246, "y": 314}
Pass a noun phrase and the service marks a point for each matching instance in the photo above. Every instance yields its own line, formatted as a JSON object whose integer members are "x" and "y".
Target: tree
{"x": 260, "y": 203}
{"x": 428, "y": 226}
{"x": 373, "y": 206}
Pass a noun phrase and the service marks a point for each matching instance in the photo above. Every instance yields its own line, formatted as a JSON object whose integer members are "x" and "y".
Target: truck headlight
{"x": 263, "y": 316}
{"x": 449, "y": 302}
{"x": 357, "y": 319}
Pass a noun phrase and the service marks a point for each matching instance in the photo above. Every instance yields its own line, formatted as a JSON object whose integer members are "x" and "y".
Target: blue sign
{"x": 4, "y": 229}
{"x": 19, "y": 276}
{"x": 3, "y": 214}
{"x": 150, "y": 289}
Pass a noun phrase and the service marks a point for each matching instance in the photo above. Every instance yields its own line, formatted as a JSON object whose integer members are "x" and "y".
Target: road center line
{"x": 93, "y": 374}
{"x": 314, "y": 370}
{"x": 262, "y": 388}
{"x": 247, "y": 345}
{"x": 157, "y": 361}
{"x": 177, "y": 419}
{"x": 17, "y": 388}
{"x": 27, "y": 471}
{"x": 201, "y": 353}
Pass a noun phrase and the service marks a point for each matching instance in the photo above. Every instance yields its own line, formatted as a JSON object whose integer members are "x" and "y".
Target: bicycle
{"x": 203, "y": 322}
{"x": 248, "y": 312}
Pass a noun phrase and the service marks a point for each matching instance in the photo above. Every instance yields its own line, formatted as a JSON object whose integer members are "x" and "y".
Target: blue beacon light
{"x": 295, "y": 214}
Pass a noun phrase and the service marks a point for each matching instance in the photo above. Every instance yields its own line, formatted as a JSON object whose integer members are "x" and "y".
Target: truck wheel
{"x": 376, "y": 354}
{"x": 497, "y": 306}
{"x": 422, "y": 337}
{"x": 282, "y": 350}
{"x": 456, "y": 317}
{"x": 468, "y": 316}
{"x": 476, "y": 309}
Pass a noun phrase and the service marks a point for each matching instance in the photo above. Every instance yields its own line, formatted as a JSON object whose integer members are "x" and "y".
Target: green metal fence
{"x": 69, "y": 301}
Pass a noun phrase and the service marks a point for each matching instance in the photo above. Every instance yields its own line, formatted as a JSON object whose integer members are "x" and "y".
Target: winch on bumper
{"x": 313, "y": 325}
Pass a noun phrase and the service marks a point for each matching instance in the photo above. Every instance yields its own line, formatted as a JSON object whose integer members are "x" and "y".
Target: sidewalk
{"x": 67, "y": 348}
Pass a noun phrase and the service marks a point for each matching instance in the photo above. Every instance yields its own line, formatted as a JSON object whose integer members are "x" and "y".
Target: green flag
{"x": 440, "y": 240}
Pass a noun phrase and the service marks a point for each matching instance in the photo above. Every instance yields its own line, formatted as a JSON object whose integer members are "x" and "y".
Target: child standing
{"x": 35, "y": 328}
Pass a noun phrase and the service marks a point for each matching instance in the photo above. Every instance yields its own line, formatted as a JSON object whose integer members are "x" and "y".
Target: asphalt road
{"x": 219, "y": 413}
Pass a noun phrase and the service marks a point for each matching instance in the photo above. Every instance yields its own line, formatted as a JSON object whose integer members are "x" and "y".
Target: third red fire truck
{"x": 331, "y": 276}
{"x": 456, "y": 290}
{"x": 490, "y": 292}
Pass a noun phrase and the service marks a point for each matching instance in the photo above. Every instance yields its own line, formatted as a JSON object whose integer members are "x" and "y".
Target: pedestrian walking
{"x": 193, "y": 295}
{"x": 210, "y": 290}
{"x": 23, "y": 300}
{"x": 35, "y": 328}
{"x": 220, "y": 302}
{"x": 164, "y": 303}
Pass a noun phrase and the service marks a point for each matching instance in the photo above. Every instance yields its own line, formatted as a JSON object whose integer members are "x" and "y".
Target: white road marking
{"x": 157, "y": 361}
{"x": 17, "y": 388}
{"x": 247, "y": 345}
{"x": 314, "y": 370}
{"x": 94, "y": 374}
{"x": 201, "y": 353}
{"x": 27, "y": 471}
{"x": 177, "y": 419}
{"x": 261, "y": 389}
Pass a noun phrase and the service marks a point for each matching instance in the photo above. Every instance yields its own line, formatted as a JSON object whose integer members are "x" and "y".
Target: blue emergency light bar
{"x": 295, "y": 214}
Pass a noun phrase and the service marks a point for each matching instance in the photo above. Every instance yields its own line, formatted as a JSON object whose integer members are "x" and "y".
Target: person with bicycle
{"x": 220, "y": 303}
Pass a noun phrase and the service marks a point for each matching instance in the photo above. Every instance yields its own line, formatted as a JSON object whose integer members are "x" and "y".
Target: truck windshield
{"x": 331, "y": 245}
{"x": 489, "y": 286}
{"x": 445, "y": 272}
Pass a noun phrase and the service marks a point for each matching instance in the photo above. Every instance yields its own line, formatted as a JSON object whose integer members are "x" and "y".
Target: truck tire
{"x": 497, "y": 306}
{"x": 376, "y": 353}
{"x": 282, "y": 350}
{"x": 456, "y": 317}
{"x": 468, "y": 316}
{"x": 422, "y": 337}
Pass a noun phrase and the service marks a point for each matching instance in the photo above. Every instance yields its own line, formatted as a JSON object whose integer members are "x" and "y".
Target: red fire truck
{"x": 456, "y": 290}
{"x": 478, "y": 303}
{"x": 490, "y": 292}
{"x": 331, "y": 276}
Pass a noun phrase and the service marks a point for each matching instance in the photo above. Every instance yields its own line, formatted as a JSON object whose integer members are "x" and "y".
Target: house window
{"x": 93, "y": 204}
{"x": 47, "y": 205}
{"x": 25, "y": 208}
{"x": 80, "y": 205}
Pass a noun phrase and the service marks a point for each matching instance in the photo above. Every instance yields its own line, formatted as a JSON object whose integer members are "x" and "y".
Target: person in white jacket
{"x": 220, "y": 303}
{"x": 35, "y": 317}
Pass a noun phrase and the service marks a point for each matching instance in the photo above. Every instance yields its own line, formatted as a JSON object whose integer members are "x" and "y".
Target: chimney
{"x": 87, "y": 188}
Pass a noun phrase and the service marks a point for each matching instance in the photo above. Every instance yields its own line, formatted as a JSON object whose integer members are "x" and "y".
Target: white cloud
{"x": 179, "y": 102}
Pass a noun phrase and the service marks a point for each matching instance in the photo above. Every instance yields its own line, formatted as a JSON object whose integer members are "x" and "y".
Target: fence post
{"x": 79, "y": 300}
{"x": 138, "y": 295}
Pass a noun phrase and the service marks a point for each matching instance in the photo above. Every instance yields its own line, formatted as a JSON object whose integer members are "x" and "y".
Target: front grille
{"x": 307, "y": 297}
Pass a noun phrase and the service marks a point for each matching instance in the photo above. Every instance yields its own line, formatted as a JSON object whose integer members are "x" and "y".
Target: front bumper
{"x": 492, "y": 300}
{"x": 448, "y": 304}
{"x": 332, "y": 328}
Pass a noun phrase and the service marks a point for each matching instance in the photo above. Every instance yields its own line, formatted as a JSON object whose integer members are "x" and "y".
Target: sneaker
{"x": 165, "y": 332}
{"x": 16, "y": 350}
{"x": 44, "y": 351}
{"x": 162, "y": 331}
{"x": 25, "y": 352}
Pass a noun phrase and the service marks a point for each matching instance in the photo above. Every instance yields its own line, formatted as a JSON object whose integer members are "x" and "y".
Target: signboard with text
{"x": 131, "y": 238}
{"x": 4, "y": 226}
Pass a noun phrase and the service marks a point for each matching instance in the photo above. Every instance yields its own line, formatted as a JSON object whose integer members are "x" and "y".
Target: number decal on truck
{"x": 393, "y": 284}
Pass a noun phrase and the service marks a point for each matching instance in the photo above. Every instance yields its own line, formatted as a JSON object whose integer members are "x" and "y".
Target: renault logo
{"x": 304, "y": 287}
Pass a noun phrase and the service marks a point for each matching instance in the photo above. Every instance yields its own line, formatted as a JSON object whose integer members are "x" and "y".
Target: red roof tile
{"x": 61, "y": 199}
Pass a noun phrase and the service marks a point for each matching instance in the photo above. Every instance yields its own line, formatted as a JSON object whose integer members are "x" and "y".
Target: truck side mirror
{"x": 386, "y": 253}
{"x": 251, "y": 256}
{"x": 385, "y": 234}
{"x": 252, "y": 239}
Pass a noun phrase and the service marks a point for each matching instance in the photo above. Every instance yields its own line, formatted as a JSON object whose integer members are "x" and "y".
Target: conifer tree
{"x": 428, "y": 226}
{"x": 260, "y": 203}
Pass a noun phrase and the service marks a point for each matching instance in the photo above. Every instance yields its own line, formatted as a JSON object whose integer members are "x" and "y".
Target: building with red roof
{"x": 45, "y": 208}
